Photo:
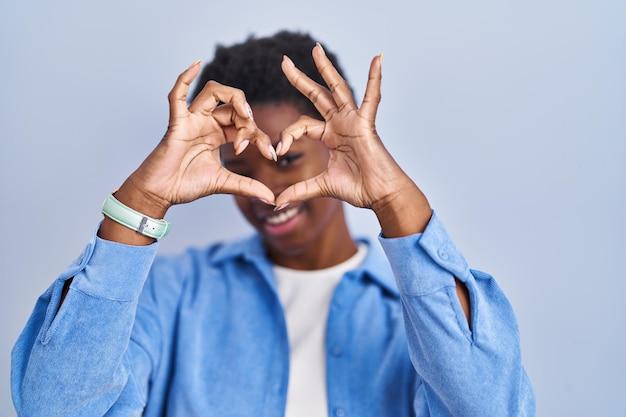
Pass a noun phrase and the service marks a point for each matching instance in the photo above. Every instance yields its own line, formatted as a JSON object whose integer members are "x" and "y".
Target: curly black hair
{"x": 254, "y": 67}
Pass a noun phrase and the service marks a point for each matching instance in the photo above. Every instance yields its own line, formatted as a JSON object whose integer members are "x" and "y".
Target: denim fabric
{"x": 203, "y": 334}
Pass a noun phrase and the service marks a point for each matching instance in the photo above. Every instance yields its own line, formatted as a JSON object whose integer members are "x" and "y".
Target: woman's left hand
{"x": 360, "y": 169}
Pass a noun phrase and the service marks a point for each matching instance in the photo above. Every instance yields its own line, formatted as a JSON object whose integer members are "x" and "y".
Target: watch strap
{"x": 122, "y": 214}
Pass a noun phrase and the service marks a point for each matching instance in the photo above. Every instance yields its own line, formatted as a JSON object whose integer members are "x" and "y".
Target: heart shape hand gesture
{"x": 186, "y": 165}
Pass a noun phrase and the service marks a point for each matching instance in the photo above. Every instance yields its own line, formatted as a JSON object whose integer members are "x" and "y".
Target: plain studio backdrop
{"x": 511, "y": 116}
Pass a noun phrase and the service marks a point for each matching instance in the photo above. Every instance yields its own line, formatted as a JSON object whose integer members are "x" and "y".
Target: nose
{"x": 270, "y": 175}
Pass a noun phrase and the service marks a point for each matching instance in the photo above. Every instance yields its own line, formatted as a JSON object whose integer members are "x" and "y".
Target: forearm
{"x": 73, "y": 359}
{"x": 77, "y": 366}
{"x": 407, "y": 212}
{"x": 404, "y": 212}
{"x": 469, "y": 371}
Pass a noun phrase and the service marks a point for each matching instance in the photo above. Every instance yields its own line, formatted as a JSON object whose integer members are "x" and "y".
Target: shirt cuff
{"x": 111, "y": 270}
{"x": 425, "y": 262}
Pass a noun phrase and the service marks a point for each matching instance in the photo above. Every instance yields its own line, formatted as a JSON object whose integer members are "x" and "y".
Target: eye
{"x": 288, "y": 159}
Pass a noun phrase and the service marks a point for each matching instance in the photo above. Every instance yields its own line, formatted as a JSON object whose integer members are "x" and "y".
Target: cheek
{"x": 323, "y": 209}
{"x": 245, "y": 207}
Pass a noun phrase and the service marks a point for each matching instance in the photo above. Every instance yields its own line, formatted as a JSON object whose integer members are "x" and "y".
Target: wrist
{"x": 137, "y": 201}
{"x": 141, "y": 201}
{"x": 404, "y": 212}
{"x": 134, "y": 220}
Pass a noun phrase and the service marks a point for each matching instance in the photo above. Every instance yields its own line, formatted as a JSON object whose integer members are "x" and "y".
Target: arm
{"x": 400, "y": 206}
{"x": 75, "y": 356}
{"x": 462, "y": 334}
{"x": 468, "y": 371}
{"x": 71, "y": 360}
{"x": 407, "y": 212}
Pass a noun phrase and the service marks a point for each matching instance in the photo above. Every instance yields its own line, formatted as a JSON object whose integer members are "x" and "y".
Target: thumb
{"x": 246, "y": 187}
{"x": 301, "y": 191}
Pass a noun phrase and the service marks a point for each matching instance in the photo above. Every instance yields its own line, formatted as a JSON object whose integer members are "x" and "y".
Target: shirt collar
{"x": 375, "y": 266}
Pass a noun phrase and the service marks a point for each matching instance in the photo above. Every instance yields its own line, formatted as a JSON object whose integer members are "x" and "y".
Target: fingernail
{"x": 321, "y": 47}
{"x": 249, "y": 110}
{"x": 195, "y": 63}
{"x": 242, "y": 146}
{"x": 279, "y": 146}
{"x": 289, "y": 61}
{"x": 282, "y": 206}
{"x": 381, "y": 57}
{"x": 273, "y": 152}
{"x": 266, "y": 202}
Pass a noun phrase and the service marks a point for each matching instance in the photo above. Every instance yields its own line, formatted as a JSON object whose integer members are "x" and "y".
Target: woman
{"x": 301, "y": 318}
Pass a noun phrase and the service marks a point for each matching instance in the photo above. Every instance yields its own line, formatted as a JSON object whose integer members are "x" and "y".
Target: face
{"x": 306, "y": 229}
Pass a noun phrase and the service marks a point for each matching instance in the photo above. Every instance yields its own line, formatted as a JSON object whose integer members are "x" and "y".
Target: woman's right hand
{"x": 185, "y": 165}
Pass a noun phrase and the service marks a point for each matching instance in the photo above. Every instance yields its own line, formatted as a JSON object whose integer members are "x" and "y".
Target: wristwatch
{"x": 147, "y": 226}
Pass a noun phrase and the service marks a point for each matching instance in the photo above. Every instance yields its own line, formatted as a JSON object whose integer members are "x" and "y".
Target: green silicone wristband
{"x": 134, "y": 220}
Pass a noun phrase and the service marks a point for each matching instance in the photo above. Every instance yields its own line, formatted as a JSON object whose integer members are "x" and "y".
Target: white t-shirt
{"x": 305, "y": 296}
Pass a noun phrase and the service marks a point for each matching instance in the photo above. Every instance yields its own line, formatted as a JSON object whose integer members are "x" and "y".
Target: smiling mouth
{"x": 282, "y": 216}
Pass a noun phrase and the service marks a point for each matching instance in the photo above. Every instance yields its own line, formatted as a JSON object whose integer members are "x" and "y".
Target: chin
{"x": 286, "y": 246}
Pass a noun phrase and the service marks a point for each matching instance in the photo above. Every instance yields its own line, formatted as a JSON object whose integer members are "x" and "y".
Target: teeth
{"x": 282, "y": 217}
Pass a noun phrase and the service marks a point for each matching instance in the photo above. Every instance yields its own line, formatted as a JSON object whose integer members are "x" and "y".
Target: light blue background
{"x": 511, "y": 116}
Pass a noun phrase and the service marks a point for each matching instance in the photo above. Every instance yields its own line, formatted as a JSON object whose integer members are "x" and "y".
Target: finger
{"x": 243, "y": 131}
{"x": 215, "y": 93}
{"x": 304, "y": 126}
{"x": 178, "y": 95}
{"x": 372, "y": 97}
{"x": 301, "y": 191}
{"x": 245, "y": 186}
{"x": 339, "y": 88}
{"x": 320, "y": 96}
{"x": 240, "y": 142}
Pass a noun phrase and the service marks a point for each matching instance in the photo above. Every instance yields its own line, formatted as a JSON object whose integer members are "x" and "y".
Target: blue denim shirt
{"x": 203, "y": 334}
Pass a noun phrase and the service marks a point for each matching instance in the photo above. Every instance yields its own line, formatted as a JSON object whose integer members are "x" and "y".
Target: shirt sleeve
{"x": 73, "y": 360}
{"x": 466, "y": 370}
